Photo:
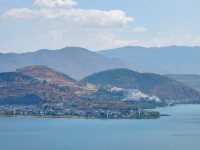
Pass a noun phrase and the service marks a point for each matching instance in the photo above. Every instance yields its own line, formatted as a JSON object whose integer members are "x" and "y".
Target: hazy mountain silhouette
{"x": 162, "y": 60}
{"x": 73, "y": 61}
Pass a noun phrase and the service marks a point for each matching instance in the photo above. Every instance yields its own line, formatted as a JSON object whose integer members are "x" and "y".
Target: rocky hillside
{"x": 47, "y": 74}
{"x": 163, "y": 87}
{"x": 16, "y": 88}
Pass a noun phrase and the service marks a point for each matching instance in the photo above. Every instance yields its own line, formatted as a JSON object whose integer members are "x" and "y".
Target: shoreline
{"x": 77, "y": 118}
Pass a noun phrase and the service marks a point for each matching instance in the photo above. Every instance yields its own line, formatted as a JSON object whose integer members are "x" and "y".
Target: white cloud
{"x": 55, "y": 3}
{"x": 58, "y": 23}
{"x": 19, "y": 13}
{"x": 88, "y": 17}
{"x": 52, "y": 9}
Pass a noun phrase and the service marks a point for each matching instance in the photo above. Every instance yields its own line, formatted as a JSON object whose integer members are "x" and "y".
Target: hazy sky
{"x": 27, "y": 25}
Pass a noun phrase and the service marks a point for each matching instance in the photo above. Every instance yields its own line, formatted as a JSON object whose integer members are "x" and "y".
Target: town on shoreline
{"x": 58, "y": 111}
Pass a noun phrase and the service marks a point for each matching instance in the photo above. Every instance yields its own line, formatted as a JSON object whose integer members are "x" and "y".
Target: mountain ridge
{"x": 160, "y": 60}
{"x": 47, "y": 74}
{"x": 149, "y": 83}
{"x": 73, "y": 61}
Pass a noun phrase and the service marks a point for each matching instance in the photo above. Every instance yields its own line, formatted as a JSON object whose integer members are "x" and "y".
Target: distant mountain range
{"x": 54, "y": 75}
{"x": 79, "y": 62}
{"x": 161, "y": 60}
{"x": 73, "y": 61}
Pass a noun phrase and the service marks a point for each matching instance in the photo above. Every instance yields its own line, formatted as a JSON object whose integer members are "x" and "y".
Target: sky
{"x": 29, "y": 25}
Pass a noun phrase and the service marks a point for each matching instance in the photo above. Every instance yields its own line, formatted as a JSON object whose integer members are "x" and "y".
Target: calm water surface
{"x": 181, "y": 131}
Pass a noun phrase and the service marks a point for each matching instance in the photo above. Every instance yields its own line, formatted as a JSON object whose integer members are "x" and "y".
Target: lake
{"x": 181, "y": 131}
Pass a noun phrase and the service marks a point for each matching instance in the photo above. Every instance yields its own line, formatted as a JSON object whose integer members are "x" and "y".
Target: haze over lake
{"x": 181, "y": 131}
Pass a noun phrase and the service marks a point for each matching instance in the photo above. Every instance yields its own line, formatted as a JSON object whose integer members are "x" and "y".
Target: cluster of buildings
{"x": 59, "y": 110}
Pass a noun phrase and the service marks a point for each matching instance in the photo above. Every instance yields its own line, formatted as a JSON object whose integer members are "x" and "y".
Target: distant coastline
{"x": 32, "y": 111}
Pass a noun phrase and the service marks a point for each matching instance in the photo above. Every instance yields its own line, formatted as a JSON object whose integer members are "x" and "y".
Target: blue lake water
{"x": 181, "y": 131}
